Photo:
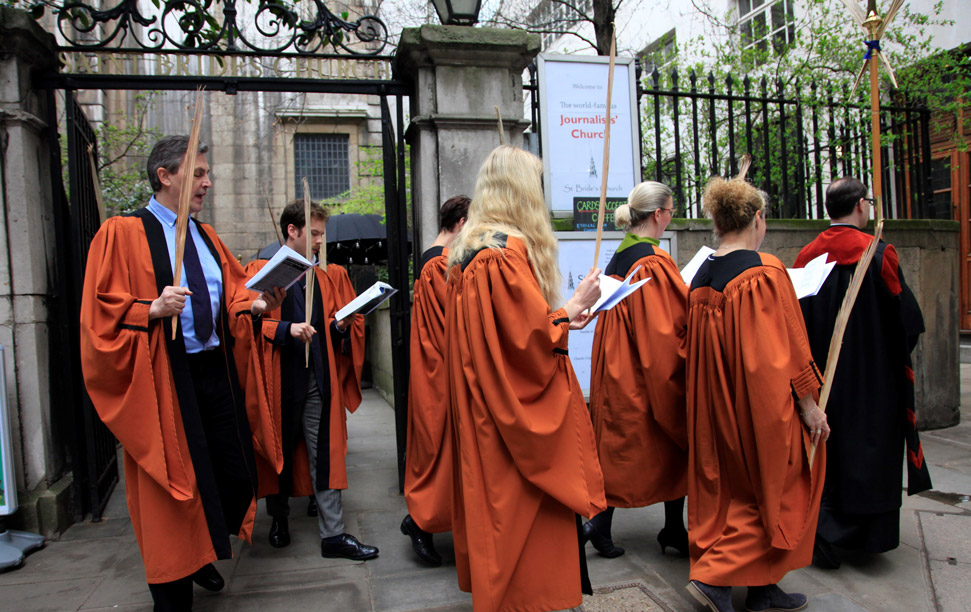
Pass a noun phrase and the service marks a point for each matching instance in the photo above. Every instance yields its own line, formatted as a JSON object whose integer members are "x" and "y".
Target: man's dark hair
{"x": 453, "y": 210}
{"x": 168, "y": 153}
{"x": 842, "y": 195}
{"x": 293, "y": 214}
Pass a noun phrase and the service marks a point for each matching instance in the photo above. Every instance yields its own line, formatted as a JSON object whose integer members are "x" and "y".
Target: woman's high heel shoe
{"x": 676, "y": 539}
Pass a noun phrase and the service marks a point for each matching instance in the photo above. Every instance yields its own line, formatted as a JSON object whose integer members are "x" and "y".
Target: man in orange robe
{"x": 753, "y": 497}
{"x": 309, "y": 398}
{"x": 527, "y": 461}
{"x": 175, "y": 405}
{"x": 428, "y": 461}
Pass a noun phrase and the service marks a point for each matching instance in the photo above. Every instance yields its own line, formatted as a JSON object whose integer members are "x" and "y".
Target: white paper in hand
{"x": 612, "y": 291}
{"x": 688, "y": 274}
{"x": 807, "y": 281}
{"x": 374, "y": 296}
{"x": 284, "y": 268}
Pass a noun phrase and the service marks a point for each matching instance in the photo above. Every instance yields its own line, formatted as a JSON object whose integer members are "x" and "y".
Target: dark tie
{"x": 196, "y": 279}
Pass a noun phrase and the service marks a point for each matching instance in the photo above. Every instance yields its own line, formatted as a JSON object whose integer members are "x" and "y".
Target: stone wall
{"x": 28, "y": 266}
{"x": 929, "y": 260}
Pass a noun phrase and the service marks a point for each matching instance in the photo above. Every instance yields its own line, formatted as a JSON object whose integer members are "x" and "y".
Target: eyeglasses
{"x": 670, "y": 210}
{"x": 872, "y": 201}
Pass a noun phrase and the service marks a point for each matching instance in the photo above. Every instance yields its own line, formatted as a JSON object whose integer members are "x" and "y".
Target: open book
{"x": 806, "y": 281}
{"x": 371, "y": 298}
{"x": 612, "y": 291}
{"x": 284, "y": 268}
{"x": 809, "y": 280}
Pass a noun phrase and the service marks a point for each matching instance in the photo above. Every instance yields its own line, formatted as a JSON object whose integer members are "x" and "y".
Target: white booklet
{"x": 809, "y": 280}
{"x": 374, "y": 296}
{"x": 612, "y": 291}
{"x": 284, "y": 268}
{"x": 688, "y": 274}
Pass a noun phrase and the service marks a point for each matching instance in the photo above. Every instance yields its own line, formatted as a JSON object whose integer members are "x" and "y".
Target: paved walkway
{"x": 96, "y": 566}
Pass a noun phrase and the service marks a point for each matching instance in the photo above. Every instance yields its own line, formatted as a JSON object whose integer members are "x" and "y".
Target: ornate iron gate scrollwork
{"x": 194, "y": 25}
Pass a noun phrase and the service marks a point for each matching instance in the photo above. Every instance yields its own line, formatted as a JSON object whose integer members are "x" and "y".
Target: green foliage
{"x": 368, "y": 197}
{"x": 123, "y": 149}
{"x": 828, "y": 49}
{"x": 809, "y": 75}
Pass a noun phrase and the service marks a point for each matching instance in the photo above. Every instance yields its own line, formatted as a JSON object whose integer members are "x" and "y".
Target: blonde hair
{"x": 508, "y": 199}
{"x": 731, "y": 204}
{"x": 643, "y": 200}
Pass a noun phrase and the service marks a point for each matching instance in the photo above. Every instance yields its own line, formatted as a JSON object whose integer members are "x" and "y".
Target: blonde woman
{"x": 526, "y": 460}
{"x": 753, "y": 498}
{"x": 637, "y": 399}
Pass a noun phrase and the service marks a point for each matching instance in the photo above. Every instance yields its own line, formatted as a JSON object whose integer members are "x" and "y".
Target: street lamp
{"x": 458, "y": 12}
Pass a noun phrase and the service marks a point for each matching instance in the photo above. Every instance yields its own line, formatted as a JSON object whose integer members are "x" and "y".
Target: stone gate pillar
{"x": 460, "y": 74}
{"x": 28, "y": 249}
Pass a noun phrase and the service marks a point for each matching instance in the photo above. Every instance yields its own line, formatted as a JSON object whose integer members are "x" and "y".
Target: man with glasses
{"x": 174, "y": 400}
{"x": 871, "y": 406}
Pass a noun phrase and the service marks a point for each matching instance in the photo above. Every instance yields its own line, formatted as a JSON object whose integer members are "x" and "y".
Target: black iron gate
{"x": 92, "y": 446}
{"x": 94, "y": 456}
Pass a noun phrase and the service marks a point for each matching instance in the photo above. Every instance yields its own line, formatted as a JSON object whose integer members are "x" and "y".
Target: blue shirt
{"x": 210, "y": 267}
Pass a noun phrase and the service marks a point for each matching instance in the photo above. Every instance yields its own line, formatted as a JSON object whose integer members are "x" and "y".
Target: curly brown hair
{"x": 731, "y": 204}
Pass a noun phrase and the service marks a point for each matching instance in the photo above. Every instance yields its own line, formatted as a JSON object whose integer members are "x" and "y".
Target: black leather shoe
{"x": 773, "y": 599}
{"x": 421, "y": 541}
{"x": 717, "y": 599}
{"x": 346, "y": 546}
{"x": 208, "y": 577}
{"x": 604, "y": 544}
{"x": 312, "y": 507}
{"x": 279, "y": 533}
{"x": 824, "y": 556}
{"x": 676, "y": 539}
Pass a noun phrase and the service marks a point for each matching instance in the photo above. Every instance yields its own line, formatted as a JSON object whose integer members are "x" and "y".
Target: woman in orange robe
{"x": 428, "y": 461}
{"x": 753, "y": 496}
{"x": 526, "y": 460}
{"x": 637, "y": 399}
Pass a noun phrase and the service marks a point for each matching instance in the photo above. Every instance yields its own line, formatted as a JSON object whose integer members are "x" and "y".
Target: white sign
{"x": 575, "y": 258}
{"x": 573, "y": 103}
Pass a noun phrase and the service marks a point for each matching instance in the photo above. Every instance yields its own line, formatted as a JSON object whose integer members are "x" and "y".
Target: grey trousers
{"x": 330, "y": 514}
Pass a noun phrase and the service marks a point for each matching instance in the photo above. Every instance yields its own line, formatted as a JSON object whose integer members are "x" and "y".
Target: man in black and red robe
{"x": 871, "y": 406}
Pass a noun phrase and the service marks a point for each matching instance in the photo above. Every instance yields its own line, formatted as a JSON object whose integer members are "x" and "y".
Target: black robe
{"x": 294, "y": 379}
{"x": 871, "y": 406}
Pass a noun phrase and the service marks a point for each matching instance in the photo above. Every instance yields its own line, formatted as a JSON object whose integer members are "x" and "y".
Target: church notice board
{"x": 575, "y": 258}
{"x": 573, "y": 104}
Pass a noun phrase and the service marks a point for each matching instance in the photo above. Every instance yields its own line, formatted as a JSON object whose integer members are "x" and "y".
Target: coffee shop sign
{"x": 245, "y": 66}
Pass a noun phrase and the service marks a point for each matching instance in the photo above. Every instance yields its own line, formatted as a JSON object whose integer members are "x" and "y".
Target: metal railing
{"x": 800, "y": 137}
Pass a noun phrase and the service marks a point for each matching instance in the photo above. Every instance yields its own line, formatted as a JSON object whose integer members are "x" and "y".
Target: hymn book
{"x": 612, "y": 291}
{"x": 284, "y": 268}
{"x": 374, "y": 296}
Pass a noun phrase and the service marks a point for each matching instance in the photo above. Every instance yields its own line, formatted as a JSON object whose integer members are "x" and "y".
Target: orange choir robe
{"x": 637, "y": 396}
{"x": 349, "y": 370}
{"x": 753, "y": 500}
{"x": 428, "y": 461}
{"x": 143, "y": 392}
{"x": 336, "y": 428}
{"x": 526, "y": 459}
